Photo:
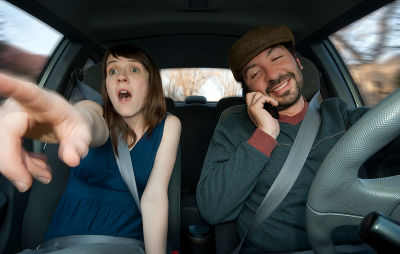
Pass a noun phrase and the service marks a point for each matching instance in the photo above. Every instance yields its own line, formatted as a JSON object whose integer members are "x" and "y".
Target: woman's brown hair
{"x": 154, "y": 108}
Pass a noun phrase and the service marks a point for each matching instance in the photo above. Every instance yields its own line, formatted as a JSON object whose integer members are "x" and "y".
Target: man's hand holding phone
{"x": 262, "y": 118}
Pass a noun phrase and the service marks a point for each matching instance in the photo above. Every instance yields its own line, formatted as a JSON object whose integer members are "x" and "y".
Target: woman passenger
{"x": 96, "y": 202}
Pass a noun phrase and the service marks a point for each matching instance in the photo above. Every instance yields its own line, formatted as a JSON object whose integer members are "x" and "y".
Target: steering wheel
{"x": 337, "y": 196}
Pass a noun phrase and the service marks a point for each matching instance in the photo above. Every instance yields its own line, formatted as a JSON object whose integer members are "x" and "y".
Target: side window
{"x": 370, "y": 47}
{"x": 214, "y": 84}
{"x": 25, "y": 42}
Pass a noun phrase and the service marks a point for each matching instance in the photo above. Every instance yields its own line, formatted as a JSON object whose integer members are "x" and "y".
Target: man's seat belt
{"x": 290, "y": 170}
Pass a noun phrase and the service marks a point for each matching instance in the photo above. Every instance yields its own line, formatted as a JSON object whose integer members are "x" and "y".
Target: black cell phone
{"x": 2, "y": 100}
{"x": 272, "y": 110}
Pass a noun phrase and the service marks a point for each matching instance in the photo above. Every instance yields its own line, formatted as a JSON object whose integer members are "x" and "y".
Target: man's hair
{"x": 291, "y": 49}
{"x": 154, "y": 108}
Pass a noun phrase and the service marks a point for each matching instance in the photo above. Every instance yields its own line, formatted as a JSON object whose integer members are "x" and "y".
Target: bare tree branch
{"x": 384, "y": 29}
{"x": 349, "y": 47}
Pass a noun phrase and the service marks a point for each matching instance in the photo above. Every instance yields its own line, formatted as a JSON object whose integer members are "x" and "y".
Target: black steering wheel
{"x": 338, "y": 196}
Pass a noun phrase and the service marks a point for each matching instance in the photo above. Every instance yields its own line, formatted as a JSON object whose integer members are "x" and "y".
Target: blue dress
{"x": 96, "y": 200}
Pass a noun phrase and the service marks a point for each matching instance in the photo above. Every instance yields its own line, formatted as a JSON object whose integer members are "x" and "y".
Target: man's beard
{"x": 287, "y": 99}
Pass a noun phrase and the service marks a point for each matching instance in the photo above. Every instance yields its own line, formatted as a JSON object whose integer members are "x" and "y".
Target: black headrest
{"x": 170, "y": 105}
{"x": 227, "y": 102}
{"x": 311, "y": 77}
{"x": 195, "y": 99}
{"x": 93, "y": 76}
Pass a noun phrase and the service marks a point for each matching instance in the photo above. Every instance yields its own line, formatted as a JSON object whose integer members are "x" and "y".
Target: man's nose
{"x": 271, "y": 72}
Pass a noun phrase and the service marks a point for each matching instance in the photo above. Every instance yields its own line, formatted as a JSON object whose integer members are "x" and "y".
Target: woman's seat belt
{"x": 126, "y": 169}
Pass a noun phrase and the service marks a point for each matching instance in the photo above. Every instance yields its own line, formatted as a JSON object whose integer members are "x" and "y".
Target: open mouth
{"x": 124, "y": 95}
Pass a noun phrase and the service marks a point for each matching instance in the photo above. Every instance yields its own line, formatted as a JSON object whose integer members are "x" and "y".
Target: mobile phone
{"x": 272, "y": 110}
{"x": 2, "y": 100}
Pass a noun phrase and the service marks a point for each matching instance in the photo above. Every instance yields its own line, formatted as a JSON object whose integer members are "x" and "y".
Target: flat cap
{"x": 254, "y": 42}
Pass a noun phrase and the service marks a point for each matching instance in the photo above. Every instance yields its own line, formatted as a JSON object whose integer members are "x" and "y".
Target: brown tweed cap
{"x": 255, "y": 41}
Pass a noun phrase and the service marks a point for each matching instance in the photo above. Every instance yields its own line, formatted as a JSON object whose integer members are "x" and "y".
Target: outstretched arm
{"x": 154, "y": 201}
{"x": 36, "y": 113}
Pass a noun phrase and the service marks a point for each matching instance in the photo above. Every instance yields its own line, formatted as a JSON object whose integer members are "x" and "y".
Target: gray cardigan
{"x": 237, "y": 174}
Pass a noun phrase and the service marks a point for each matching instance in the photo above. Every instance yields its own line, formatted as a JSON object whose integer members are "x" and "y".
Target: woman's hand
{"x": 36, "y": 113}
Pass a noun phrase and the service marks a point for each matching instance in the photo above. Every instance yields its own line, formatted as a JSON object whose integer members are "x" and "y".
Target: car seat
{"x": 198, "y": 124}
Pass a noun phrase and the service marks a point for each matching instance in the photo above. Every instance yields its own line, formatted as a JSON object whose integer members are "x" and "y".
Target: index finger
{"x": 22, "y": 91}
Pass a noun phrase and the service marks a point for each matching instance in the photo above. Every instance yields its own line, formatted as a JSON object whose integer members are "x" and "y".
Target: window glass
{"x": 213, "y": 84}
{"x": 370, "y": 47}
{"x": 25, "y": 42}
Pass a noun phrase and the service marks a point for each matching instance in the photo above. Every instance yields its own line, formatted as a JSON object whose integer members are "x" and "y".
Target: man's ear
{"x": 299, "y": 63}
{"x": 245, "y": 89}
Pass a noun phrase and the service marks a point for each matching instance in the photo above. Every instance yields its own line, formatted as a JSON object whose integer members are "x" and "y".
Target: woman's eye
{"x": 134, "y": 69}
{"x": 112, "y": 72}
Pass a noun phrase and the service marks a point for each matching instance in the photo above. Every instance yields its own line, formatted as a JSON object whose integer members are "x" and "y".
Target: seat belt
{"x": 126, "y": 169}
{"x": 68, "y": 241}
{"x": 128, "y": 175}
{"x": 290, "y": 170}
{"x": 124, "y": 159}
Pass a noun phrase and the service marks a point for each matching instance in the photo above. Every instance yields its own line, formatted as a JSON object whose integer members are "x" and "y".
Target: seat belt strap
{"x": 126, "y": 169}
{"x": 124, "y": 159}
{"x": 290, "y": 170}
{"x": 63, "y": 242}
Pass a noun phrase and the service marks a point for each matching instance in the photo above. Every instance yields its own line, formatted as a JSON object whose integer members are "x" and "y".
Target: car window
{"x": 25, "y": 42}
{"x": 212, "y": 83}
{"x": 370, "y": 47}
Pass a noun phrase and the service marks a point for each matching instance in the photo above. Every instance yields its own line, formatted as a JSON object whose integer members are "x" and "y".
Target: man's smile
{"x": 281, "y": 86}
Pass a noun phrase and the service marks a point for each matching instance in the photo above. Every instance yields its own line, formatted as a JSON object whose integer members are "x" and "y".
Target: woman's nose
{"x": 122, "y": 76}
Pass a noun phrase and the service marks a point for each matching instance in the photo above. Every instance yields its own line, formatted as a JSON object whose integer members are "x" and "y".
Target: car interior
{"x": 198, "y": 34}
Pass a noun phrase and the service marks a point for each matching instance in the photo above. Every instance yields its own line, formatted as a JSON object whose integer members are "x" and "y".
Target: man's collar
{"x": 295, "y": 119}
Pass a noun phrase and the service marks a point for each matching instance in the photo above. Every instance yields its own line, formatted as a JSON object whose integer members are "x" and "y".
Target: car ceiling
{"x": 191, "y": 32}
